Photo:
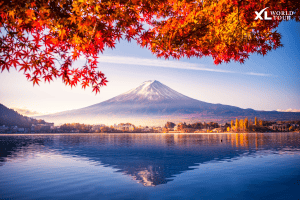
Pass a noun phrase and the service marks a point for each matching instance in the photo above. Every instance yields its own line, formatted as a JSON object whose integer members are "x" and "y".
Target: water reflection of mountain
{"x": 153, "y": 159}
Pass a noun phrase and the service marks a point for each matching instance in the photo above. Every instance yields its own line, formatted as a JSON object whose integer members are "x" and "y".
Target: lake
{"x": 150, "y": 166}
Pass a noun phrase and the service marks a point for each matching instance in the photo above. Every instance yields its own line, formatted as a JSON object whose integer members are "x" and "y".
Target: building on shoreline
{"x": 239, "y": 126}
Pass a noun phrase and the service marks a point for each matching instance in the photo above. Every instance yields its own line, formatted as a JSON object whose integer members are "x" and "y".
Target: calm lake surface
{"x": 150, "y": 166}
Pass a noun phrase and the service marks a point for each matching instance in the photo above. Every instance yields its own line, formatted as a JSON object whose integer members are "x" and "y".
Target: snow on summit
{"x": 153, "y": 100}
{"x": 152, "y": 90}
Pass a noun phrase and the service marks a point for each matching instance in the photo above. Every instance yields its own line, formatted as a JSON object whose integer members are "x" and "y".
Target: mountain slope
{"x": 150, "y": 91}
{"x": 9, "y": 117}
{"x": 153, "y": 99}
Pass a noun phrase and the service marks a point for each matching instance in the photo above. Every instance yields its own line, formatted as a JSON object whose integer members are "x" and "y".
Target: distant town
{"x": 236, "y": 126}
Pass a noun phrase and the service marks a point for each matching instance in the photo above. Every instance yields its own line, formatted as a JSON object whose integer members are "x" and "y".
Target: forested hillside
{"x": 9, "y": 117}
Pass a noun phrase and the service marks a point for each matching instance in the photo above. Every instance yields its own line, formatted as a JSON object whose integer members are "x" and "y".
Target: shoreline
{"x": 16, "y": 134}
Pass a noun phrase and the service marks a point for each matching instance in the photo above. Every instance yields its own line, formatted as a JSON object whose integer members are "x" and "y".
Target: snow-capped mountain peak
{"x": 151, "y": 90}
{"x": 153, "y": 103}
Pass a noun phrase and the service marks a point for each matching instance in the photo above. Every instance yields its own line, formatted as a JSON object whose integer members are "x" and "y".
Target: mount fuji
{"x": 155, "y": 102}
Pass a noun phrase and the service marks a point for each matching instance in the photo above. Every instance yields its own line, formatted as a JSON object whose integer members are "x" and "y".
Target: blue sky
{"x": 268, "y": 82}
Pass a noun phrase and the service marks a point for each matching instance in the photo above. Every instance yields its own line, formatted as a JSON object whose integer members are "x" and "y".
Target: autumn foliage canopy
{"x": 43, "y": 38}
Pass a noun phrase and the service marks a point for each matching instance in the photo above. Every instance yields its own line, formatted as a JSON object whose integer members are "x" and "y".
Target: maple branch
{"x": 91, "y": 40}
{"x": 29, "y": 46}
{"x": 68, "y": 27}
{"x": 238, "y": 24}
{"x": 193, "y": 31}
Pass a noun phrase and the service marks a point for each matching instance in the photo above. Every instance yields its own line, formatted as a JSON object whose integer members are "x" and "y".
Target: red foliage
{"x": 44, "y": 38}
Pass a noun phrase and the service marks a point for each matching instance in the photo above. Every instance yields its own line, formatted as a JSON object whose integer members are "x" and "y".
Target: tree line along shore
{"x": 236, "y": 126}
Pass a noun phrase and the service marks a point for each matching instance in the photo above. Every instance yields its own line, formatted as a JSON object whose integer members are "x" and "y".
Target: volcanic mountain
{"x": 156, "y": 102}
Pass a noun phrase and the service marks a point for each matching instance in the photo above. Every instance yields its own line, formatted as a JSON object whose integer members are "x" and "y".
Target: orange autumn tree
{"x": 43, "y": 38}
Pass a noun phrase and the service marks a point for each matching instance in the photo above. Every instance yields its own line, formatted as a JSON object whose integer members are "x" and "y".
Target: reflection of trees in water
{"x": 153, "y": 159}
{"x": 18, "y": 146}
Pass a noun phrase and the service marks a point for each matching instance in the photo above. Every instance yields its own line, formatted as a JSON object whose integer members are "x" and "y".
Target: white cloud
{"x": 168, "y": 64}
{"x": 26, "y": 112}
{"x": 257, "y": 74}
{"x": 288, "y": 110}
{"x": 30, "y": 113}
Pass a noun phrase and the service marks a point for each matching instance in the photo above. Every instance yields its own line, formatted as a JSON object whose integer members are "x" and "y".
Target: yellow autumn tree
{"x": 246, "y": 124}
{"x": 236, "y": 124}
{"x": 241, "y": 124}
{"x": 255, "y": 121}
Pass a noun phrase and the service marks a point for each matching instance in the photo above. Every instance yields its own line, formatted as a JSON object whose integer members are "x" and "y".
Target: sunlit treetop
{"x": 43, "y": 38}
